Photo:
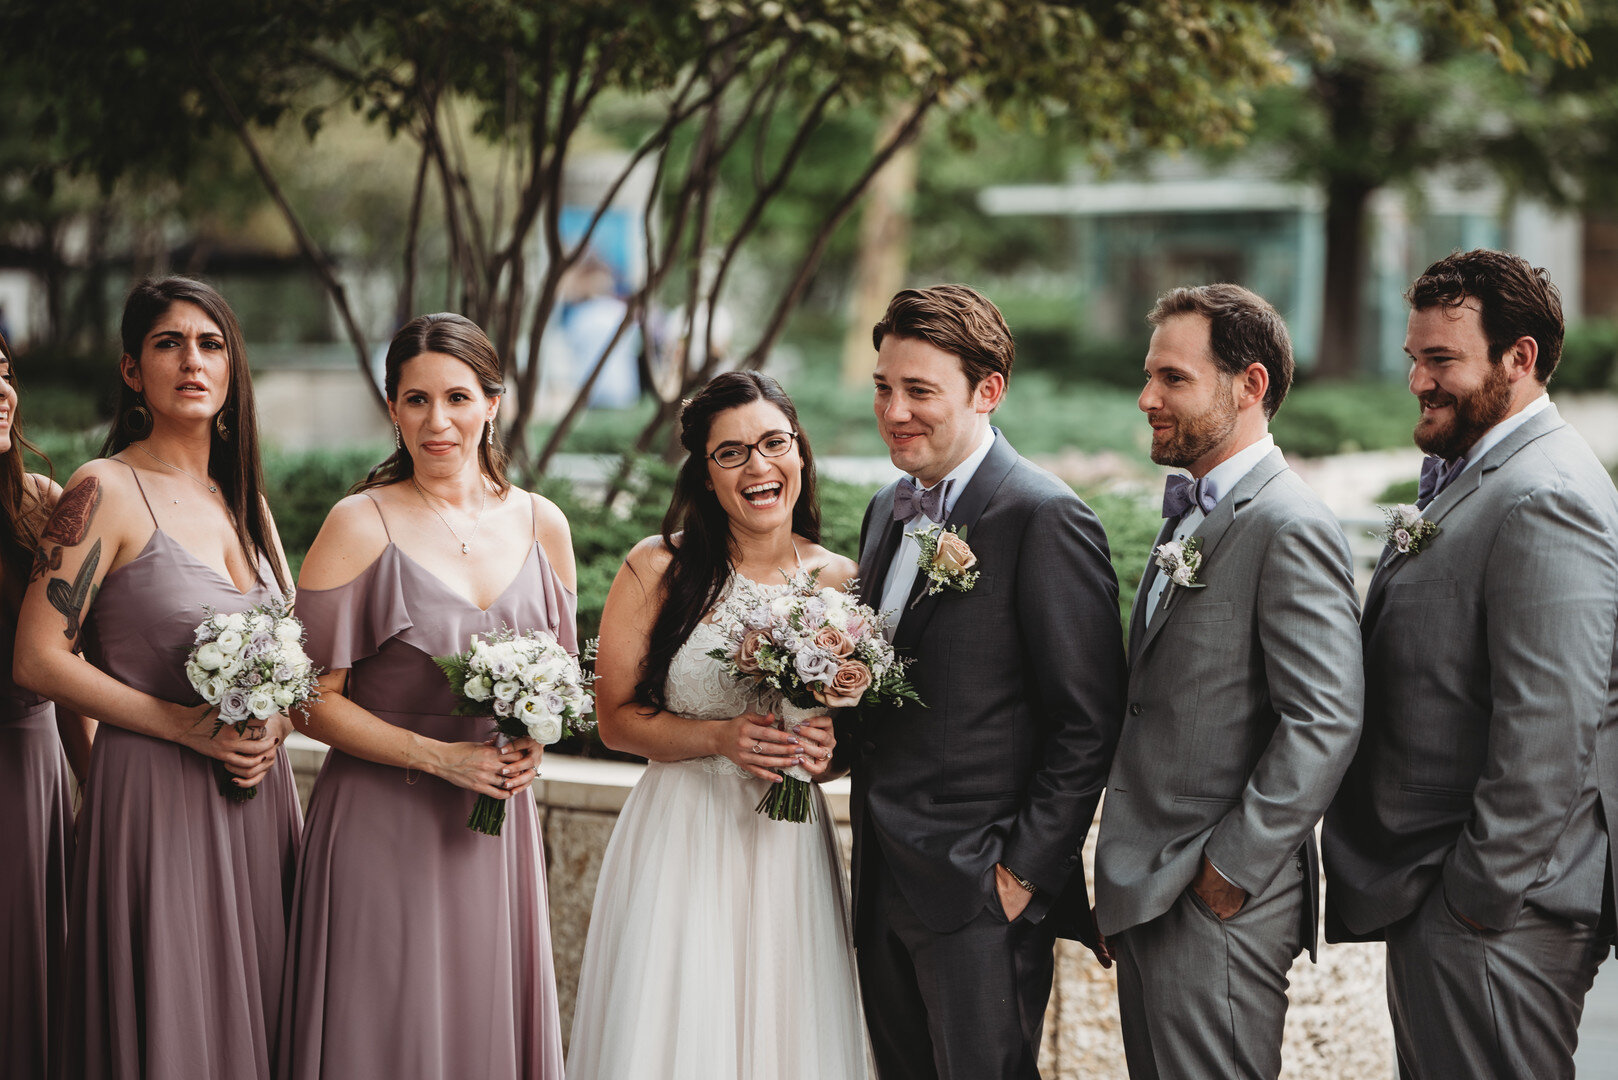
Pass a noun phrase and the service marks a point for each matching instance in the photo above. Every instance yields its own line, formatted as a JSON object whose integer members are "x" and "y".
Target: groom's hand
{"x": 1013, "y": 897}
{"x": 1222, "y": 898}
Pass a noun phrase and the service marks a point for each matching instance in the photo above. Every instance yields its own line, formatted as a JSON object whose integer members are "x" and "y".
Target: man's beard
{"x": 1193, "y": 436}
{"x": 1472, "y": 415}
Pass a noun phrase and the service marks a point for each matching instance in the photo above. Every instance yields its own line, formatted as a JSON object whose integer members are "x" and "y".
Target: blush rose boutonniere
{"x": 1407, "y": 531}
{"x": 945, "y": 560}
{"x": 1180, "y": 560}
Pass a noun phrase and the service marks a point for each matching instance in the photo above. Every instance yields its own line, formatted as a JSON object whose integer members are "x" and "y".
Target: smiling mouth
{"x": 763, "y": 496}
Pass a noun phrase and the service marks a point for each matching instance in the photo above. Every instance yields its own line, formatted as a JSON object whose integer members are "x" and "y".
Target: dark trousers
{"x": 966, "y": 1005}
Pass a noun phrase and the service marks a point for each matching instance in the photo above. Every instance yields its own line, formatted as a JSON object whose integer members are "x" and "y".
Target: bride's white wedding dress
{"x": 719, "y": 946}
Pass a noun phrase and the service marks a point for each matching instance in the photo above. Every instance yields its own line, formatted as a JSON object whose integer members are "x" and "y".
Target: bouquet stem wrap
{"x": 793, "y": 799}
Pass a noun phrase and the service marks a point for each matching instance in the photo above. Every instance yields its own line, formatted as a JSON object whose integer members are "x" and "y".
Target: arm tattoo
{"x": 70, "y": 600}
{"x": 67, "y": 526}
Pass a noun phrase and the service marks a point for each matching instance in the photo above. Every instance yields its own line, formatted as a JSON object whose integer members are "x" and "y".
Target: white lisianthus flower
{"x": 506, "y": 690}
{"x": 284, "y": 697}
{"x": 502, "y": 708}
{"x": 210, "y": 657}
{"x": 195, "y": 674}
{"x": 478, "y": 688}
{"x": 212, "y": 689}
{"x": 261, "y": 703}
{"x": 230, "y": 642}
{"x": 234, "y": 621}
{"x": 545, "y": 729}
{"x": 288, "y": 631}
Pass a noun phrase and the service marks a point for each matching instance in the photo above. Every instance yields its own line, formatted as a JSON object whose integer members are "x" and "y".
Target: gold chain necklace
{"x": 477, "y": 522}
{"x": 214, "y": 488}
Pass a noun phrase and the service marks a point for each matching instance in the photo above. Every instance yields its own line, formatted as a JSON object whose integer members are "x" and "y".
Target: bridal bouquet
{"x": 815, "y": 648}
{"x": 250, "y": 664}
{"x": 533, "y": 687}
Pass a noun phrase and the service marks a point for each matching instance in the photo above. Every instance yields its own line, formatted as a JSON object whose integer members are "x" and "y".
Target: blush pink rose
{"x": 747, "y": 654}
{"x": 953, "y": 555}
{"x": 834, "y": 641}
{"x": 853, "y": 678}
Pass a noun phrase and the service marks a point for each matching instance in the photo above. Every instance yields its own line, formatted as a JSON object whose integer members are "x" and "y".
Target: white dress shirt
{"x": 1491, "y": 438}
{"x": 1222, "y": 478}
{"x": 902, "y": 571}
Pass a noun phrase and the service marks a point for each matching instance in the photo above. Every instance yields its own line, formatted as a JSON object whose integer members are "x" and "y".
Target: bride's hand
{"x": 818, "y": 740}
{"x": 754, "y": 743}
{"x": 473, "y": 766}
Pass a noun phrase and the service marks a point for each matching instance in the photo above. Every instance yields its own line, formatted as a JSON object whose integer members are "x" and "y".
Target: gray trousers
{"x": 1201, "y": 997}
{"x": 1477, "y": 1004}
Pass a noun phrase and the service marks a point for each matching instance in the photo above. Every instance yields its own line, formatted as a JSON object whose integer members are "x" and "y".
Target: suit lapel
{"x": 1137, "y": 609}
{"x": 1213, "y": 530}
{"x": 991, "y": 473}
{"x": 881, "y": 542}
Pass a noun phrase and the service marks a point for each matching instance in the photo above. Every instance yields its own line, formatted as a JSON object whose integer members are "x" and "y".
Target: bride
{"x": 719, "y": 944}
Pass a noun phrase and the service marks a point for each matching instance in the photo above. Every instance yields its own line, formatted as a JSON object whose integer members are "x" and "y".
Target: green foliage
{"x": 1333, "y": 418}
{"x": 1132, "y": 523}
{"x": 303, "y": 487}
{"x": 1400, "y": 491}
{"x": 1589, "y": 355}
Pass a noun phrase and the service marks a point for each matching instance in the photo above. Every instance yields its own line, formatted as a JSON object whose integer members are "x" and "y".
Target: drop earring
{"x": 489, "y": 437}
{"x": 398, "y": 439}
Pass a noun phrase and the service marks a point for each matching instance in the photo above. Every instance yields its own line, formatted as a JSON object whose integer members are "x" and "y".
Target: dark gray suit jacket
{"x": 1245, "y": 701}
{"x": 1489, "y": 763}
{"x": 1023, "y": 682}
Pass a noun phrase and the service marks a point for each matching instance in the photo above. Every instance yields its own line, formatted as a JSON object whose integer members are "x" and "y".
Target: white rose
{"x": 506, "y": 690}
{"x": 288, "y": 632}
{"x": 195, "y": 675}
{"x": 1182, "y": 575}
{"x": 477, "y": 688}
{"x": 284, "y": 697}
{"x": 212, "y": 689}
{"x": 210, "y": 657}
{"x": 234, "y": 621}
{"x": 543, "y": 727}
{"x": 230, "y": 642}
{"x": 1401, "y": 539}
{"x": 261, "y": 703}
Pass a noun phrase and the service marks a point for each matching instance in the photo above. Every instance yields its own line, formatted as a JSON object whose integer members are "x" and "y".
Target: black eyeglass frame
{"x": 791, "y": 437}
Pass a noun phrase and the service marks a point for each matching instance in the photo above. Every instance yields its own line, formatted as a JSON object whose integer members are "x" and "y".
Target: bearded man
{"x": 1243, "y": 711}
{"x": 1473, "y": 831}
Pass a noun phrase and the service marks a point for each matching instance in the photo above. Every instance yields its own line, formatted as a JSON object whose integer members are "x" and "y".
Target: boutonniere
{"x": 945, "y": 560}
{"x": 1180, "y": 560}
{"x": 1407, "y": 532}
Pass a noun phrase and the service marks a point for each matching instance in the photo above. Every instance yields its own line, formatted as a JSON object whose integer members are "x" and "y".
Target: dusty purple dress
{"x": 36, "y": 845}
{"x": 419, "y": 949}
{"x": 177, "y": 927}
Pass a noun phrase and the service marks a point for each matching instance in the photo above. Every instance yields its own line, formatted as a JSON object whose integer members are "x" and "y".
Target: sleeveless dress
{"x": 719, "y": 945}
{"x": 36, "y": 845}
{"x": 420, "y": 949}
{"x": 177, "y": 926}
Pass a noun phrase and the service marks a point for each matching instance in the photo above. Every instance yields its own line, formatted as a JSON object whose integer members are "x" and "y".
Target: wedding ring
{"x": 758, "y": 748}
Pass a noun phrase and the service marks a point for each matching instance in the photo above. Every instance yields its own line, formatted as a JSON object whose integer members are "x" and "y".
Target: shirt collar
{"x": 962, "y": 473}
{"x": 1492, "y": 438}
{"x": 1228, "y": 473}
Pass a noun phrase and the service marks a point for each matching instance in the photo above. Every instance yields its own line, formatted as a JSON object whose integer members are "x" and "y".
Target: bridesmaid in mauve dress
{"x": 419, "y": 948}
{"x": 36, "y": 802}
{"x": 177, "y": 920}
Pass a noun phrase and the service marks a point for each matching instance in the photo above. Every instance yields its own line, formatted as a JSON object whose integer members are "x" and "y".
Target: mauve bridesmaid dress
{"x": 177, "y": 925}
{"x": 420, "y": 949}
{"x": 36, "y": 849}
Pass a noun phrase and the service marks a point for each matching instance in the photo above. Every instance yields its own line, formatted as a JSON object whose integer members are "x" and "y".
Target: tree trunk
{"x": 1341, "y": 313}
{"x": 884, "y": 253}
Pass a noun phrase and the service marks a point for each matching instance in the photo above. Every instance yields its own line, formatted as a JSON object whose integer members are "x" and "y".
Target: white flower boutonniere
{"x": 1407, "y": 532}
{"x": 946, "y": 560}
{"x": 1180, "y": 560}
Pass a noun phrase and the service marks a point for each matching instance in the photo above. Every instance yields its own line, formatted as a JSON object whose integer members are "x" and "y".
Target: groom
{"x": 970, "y": 814}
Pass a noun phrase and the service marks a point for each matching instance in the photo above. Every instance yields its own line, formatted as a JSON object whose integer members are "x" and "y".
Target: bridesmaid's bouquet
{"x": 533, "y": 687}
{"x": 816, "y": 648}
{"x": 251, "y": 665}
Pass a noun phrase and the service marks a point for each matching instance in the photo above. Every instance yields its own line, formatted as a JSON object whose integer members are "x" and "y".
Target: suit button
{"x": 1072, "y": 859}
{"x": 1134, "y": 709}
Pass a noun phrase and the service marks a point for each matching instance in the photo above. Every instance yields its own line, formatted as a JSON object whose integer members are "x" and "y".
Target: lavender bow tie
{"x": 910, "y": 501}
{"x": 1436, "y": 473}
{"x": 1180, "y": 491}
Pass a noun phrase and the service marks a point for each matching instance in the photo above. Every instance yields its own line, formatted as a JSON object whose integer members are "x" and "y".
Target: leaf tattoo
{"x": 71, "y": 599}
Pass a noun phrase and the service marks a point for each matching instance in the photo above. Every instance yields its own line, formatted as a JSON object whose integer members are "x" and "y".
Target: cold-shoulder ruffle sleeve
{"x": 351, "y": 622}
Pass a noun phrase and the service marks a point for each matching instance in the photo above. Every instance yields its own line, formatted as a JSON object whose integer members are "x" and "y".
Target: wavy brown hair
{"x": 460, "y": 337}
{"x": 22, "y": 507}
{"x": 696, "y": 529}
{"x": 233, "y": 459}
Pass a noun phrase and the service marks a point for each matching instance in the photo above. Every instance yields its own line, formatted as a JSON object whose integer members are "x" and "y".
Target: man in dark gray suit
{"x": 1245, "y": 695}
{"x": 1473, "y": 832}
{"x": 970, "y": 814}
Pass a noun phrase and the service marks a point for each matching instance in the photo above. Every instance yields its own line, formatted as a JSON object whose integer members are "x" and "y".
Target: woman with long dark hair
{"x": 421, "y": 949}
{"x": 36, "y": 802}
{"x": 719, "y": 945}
{"x": 177, "y": 923}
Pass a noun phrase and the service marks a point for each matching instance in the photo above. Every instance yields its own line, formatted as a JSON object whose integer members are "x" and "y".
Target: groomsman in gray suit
{"x": 1244, "y": 707}
{"x": 970, "y": 814}
{"x": 1473, "y": 832}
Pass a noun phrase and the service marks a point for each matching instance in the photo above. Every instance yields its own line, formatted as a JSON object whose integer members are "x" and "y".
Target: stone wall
{"x": 1337, "y": 1026}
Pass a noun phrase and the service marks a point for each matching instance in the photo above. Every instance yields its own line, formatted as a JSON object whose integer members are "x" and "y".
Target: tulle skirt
{"x": 720, "y": 946}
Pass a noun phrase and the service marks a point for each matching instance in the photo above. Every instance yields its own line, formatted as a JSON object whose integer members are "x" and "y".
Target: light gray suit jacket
{"x": 1244, "y": 705}
{"x": 1491, "y": 735}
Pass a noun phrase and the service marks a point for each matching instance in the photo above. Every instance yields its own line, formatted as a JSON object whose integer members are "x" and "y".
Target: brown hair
{"x": 233, "y": 458}
{"x": 1243, "y": 329}
{"x": 1517, "y": 301}
{"x": 22, "y": 508}
{"x": 957, "y": 319}
{"x": 460, "y": 337}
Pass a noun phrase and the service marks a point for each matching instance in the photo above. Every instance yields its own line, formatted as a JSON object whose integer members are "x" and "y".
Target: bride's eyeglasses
{"x": 735, "y": 455}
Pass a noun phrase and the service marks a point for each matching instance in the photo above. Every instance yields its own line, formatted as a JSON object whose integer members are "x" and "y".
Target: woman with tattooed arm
{"x": 177, "y": 921}
{"x": 36, "y": 802}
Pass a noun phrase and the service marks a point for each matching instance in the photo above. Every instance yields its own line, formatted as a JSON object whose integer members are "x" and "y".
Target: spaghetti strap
{"x": 138, "y": 487}
{"x": 533, "y": 509}
{"x": 795, "y": 554}
{"x": 385, "y": 531}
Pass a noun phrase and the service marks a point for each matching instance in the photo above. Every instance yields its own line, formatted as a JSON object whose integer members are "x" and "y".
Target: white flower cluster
{"x": 1407, "y": 531}
{"x": 531, "y": 679}
{"x": 1180, "y": 560}
{"x": 251, "y": 664}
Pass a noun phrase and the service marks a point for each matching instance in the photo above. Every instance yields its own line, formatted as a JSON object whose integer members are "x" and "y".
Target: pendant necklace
{"x": 477, "y": 522}
{"x": 214, "y": 488}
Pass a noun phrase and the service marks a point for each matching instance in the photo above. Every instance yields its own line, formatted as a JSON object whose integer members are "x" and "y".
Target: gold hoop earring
{"x": 219, "y": 426}
{"x": 138, "y": 419}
